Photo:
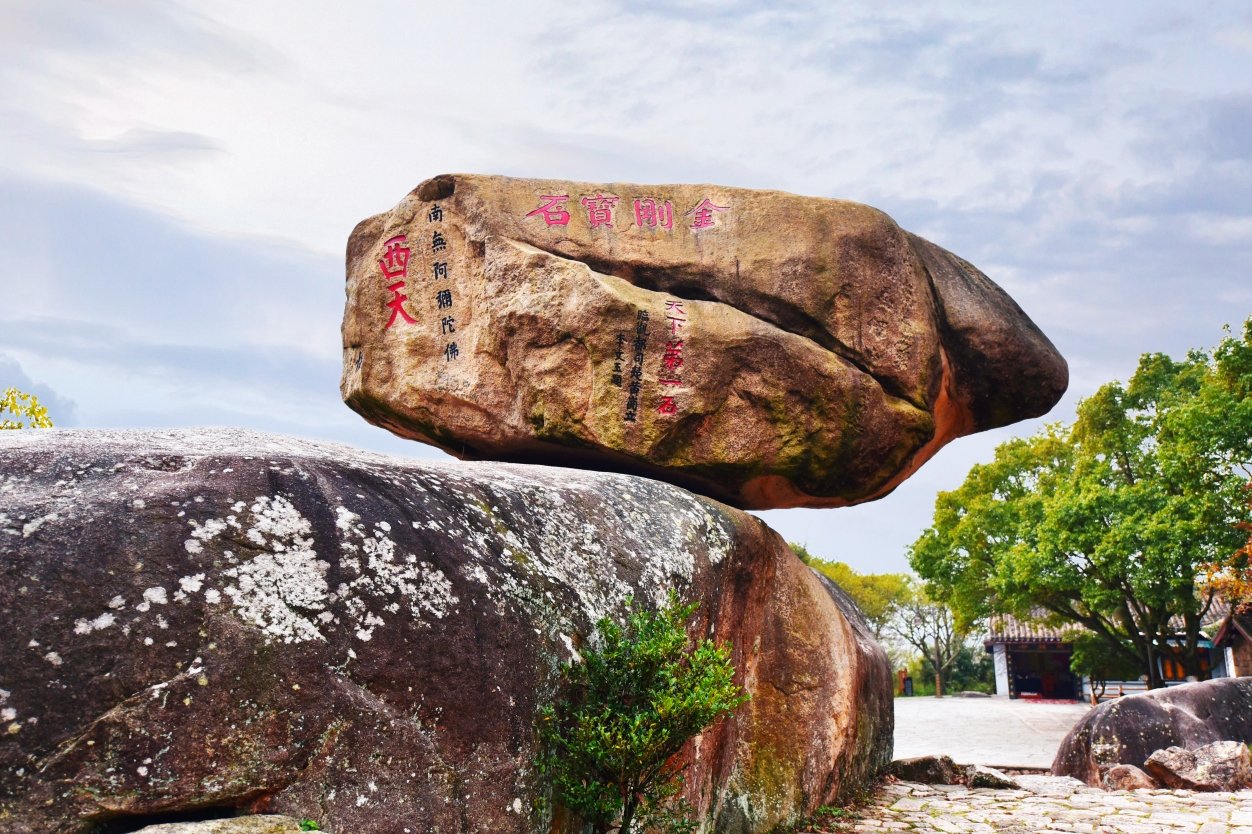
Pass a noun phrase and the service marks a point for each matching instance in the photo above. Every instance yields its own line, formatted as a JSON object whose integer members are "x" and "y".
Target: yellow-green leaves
{"x": 23, "y": 411}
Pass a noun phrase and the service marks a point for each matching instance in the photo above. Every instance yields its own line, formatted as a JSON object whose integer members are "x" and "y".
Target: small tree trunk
{"x": 938, "y": 675}
{"x": 628, "y": 814}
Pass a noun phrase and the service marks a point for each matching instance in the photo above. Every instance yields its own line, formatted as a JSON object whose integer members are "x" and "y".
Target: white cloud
{"x": 179, "y": 179}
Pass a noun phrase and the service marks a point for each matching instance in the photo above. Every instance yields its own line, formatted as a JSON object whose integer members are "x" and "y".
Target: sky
{"x": 178, "y": 180}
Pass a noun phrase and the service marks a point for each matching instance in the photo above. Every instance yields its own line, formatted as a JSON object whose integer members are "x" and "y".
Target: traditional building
{"x": 1032, "y": 660}
{"x": 1234, "y": 639}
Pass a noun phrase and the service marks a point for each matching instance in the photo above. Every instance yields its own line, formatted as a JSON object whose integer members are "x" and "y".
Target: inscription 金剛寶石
{"x": 649, "y": 212}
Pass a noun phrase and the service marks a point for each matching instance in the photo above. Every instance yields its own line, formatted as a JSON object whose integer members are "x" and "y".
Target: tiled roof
{"x": 1007, "y": 629}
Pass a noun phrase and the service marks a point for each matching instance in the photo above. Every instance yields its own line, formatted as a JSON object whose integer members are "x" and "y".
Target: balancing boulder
{"x": 761, "y": 348}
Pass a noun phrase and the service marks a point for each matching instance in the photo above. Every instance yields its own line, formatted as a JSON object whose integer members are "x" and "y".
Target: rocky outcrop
{"x": 1132, "y": 728}
{"x": 226, "y": 621}
{"x": 1220, "y": 766}
{"x": 762, "y": 348}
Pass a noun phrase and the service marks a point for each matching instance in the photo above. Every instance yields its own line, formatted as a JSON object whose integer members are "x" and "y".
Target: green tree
{"x": 878, "y": 595}
{"x": 1107, "y": 524}
{"x": 971, "y": 670}
{"x": 633, "y": 703}
{"x": 23, "y": 407}
{"x": 928, "y": 626}
{"x": 1095, "y": 658}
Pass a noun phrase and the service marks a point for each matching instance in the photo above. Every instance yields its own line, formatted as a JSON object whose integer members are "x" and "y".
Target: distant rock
{"x": 783, "y": 350}
{"x": 1220, "y": 766}
{"x": 1133, "y": 727}
{"x": 1127, "y": 778}
{"x": 928, "y": 770}
{"x": 224, "y": 620}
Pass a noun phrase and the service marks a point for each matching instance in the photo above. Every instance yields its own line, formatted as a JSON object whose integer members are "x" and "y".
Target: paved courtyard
{"x": 989, "y": 731}
{"x": 1051, "y": 805}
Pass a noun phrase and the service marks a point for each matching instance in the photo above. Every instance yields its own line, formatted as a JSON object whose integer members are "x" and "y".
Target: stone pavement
{"x": 1052, "y": 804}
{"x": 989, "y": 731}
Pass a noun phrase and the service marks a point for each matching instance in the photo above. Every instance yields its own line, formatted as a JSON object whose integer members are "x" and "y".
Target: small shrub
{"x": 309, "y": 825}
{"x": 633, "y": 702}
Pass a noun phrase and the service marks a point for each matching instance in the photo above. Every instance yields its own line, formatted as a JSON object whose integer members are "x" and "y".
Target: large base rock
{"x": 220, "y": 619}
{"x": 762, "y": 348}
{"x": 1132, "y": 728}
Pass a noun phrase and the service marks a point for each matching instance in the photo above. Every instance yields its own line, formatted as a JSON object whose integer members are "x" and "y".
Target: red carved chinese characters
{"x": 395, "y": 260}
{"x": 703, "y": 214}
{"x": 554, "y": 214}
{"x": 396, "y": 305}
{"x": 600, "y": 210}
{"x": 672, "y": 358}
{"x": 395, "y": 264}
{"x": 651, "y": 213}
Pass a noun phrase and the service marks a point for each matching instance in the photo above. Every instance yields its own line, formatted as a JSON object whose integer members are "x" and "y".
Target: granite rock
{"x": 981, "y": 776}
{"x": 927, "y": 770}
{"x": 1124, "y": 777}
{"x": 1133, "y": 727}
{"x": 225, "y": 621}
{"x": 1219, "y": 766}
{"x": 788, "y": 351}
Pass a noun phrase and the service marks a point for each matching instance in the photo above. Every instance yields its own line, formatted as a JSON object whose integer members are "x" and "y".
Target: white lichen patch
{"x": 152, "y": 596}
{"x": 402, "y": 579}
{"x": 191, "y": 584}
{"x": 98, "y": 624}
{"x": 276, "y": 591}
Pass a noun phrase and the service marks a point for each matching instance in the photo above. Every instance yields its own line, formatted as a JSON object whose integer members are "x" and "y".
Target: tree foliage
{"x": 23, "y": 411}
{"x": 972, "y": 669}
{"x": 1108, "y": 523}
{"x": 1096, "y": 658}
{"x": 928, "y": 626}
{"x": 878, "y": 595}
{"x": 634, "y": 701}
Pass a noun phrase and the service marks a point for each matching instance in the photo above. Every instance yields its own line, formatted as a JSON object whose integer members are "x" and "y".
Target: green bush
{"x": 972, "y": 670}
{"x": 632, "y": 703}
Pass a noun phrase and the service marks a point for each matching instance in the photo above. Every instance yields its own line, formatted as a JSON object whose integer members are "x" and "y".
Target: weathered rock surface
{"x": 928, "y": 770}
{"x": 793, "y": 351}
{"x": 252, "y": 824}
{"x": 1220, "y": 766}
{"x": 1127, "y": 778}
{"x": 1132, "y": 728}
{"x": 218, "y": 619}
{"x": 981, "y": 776}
